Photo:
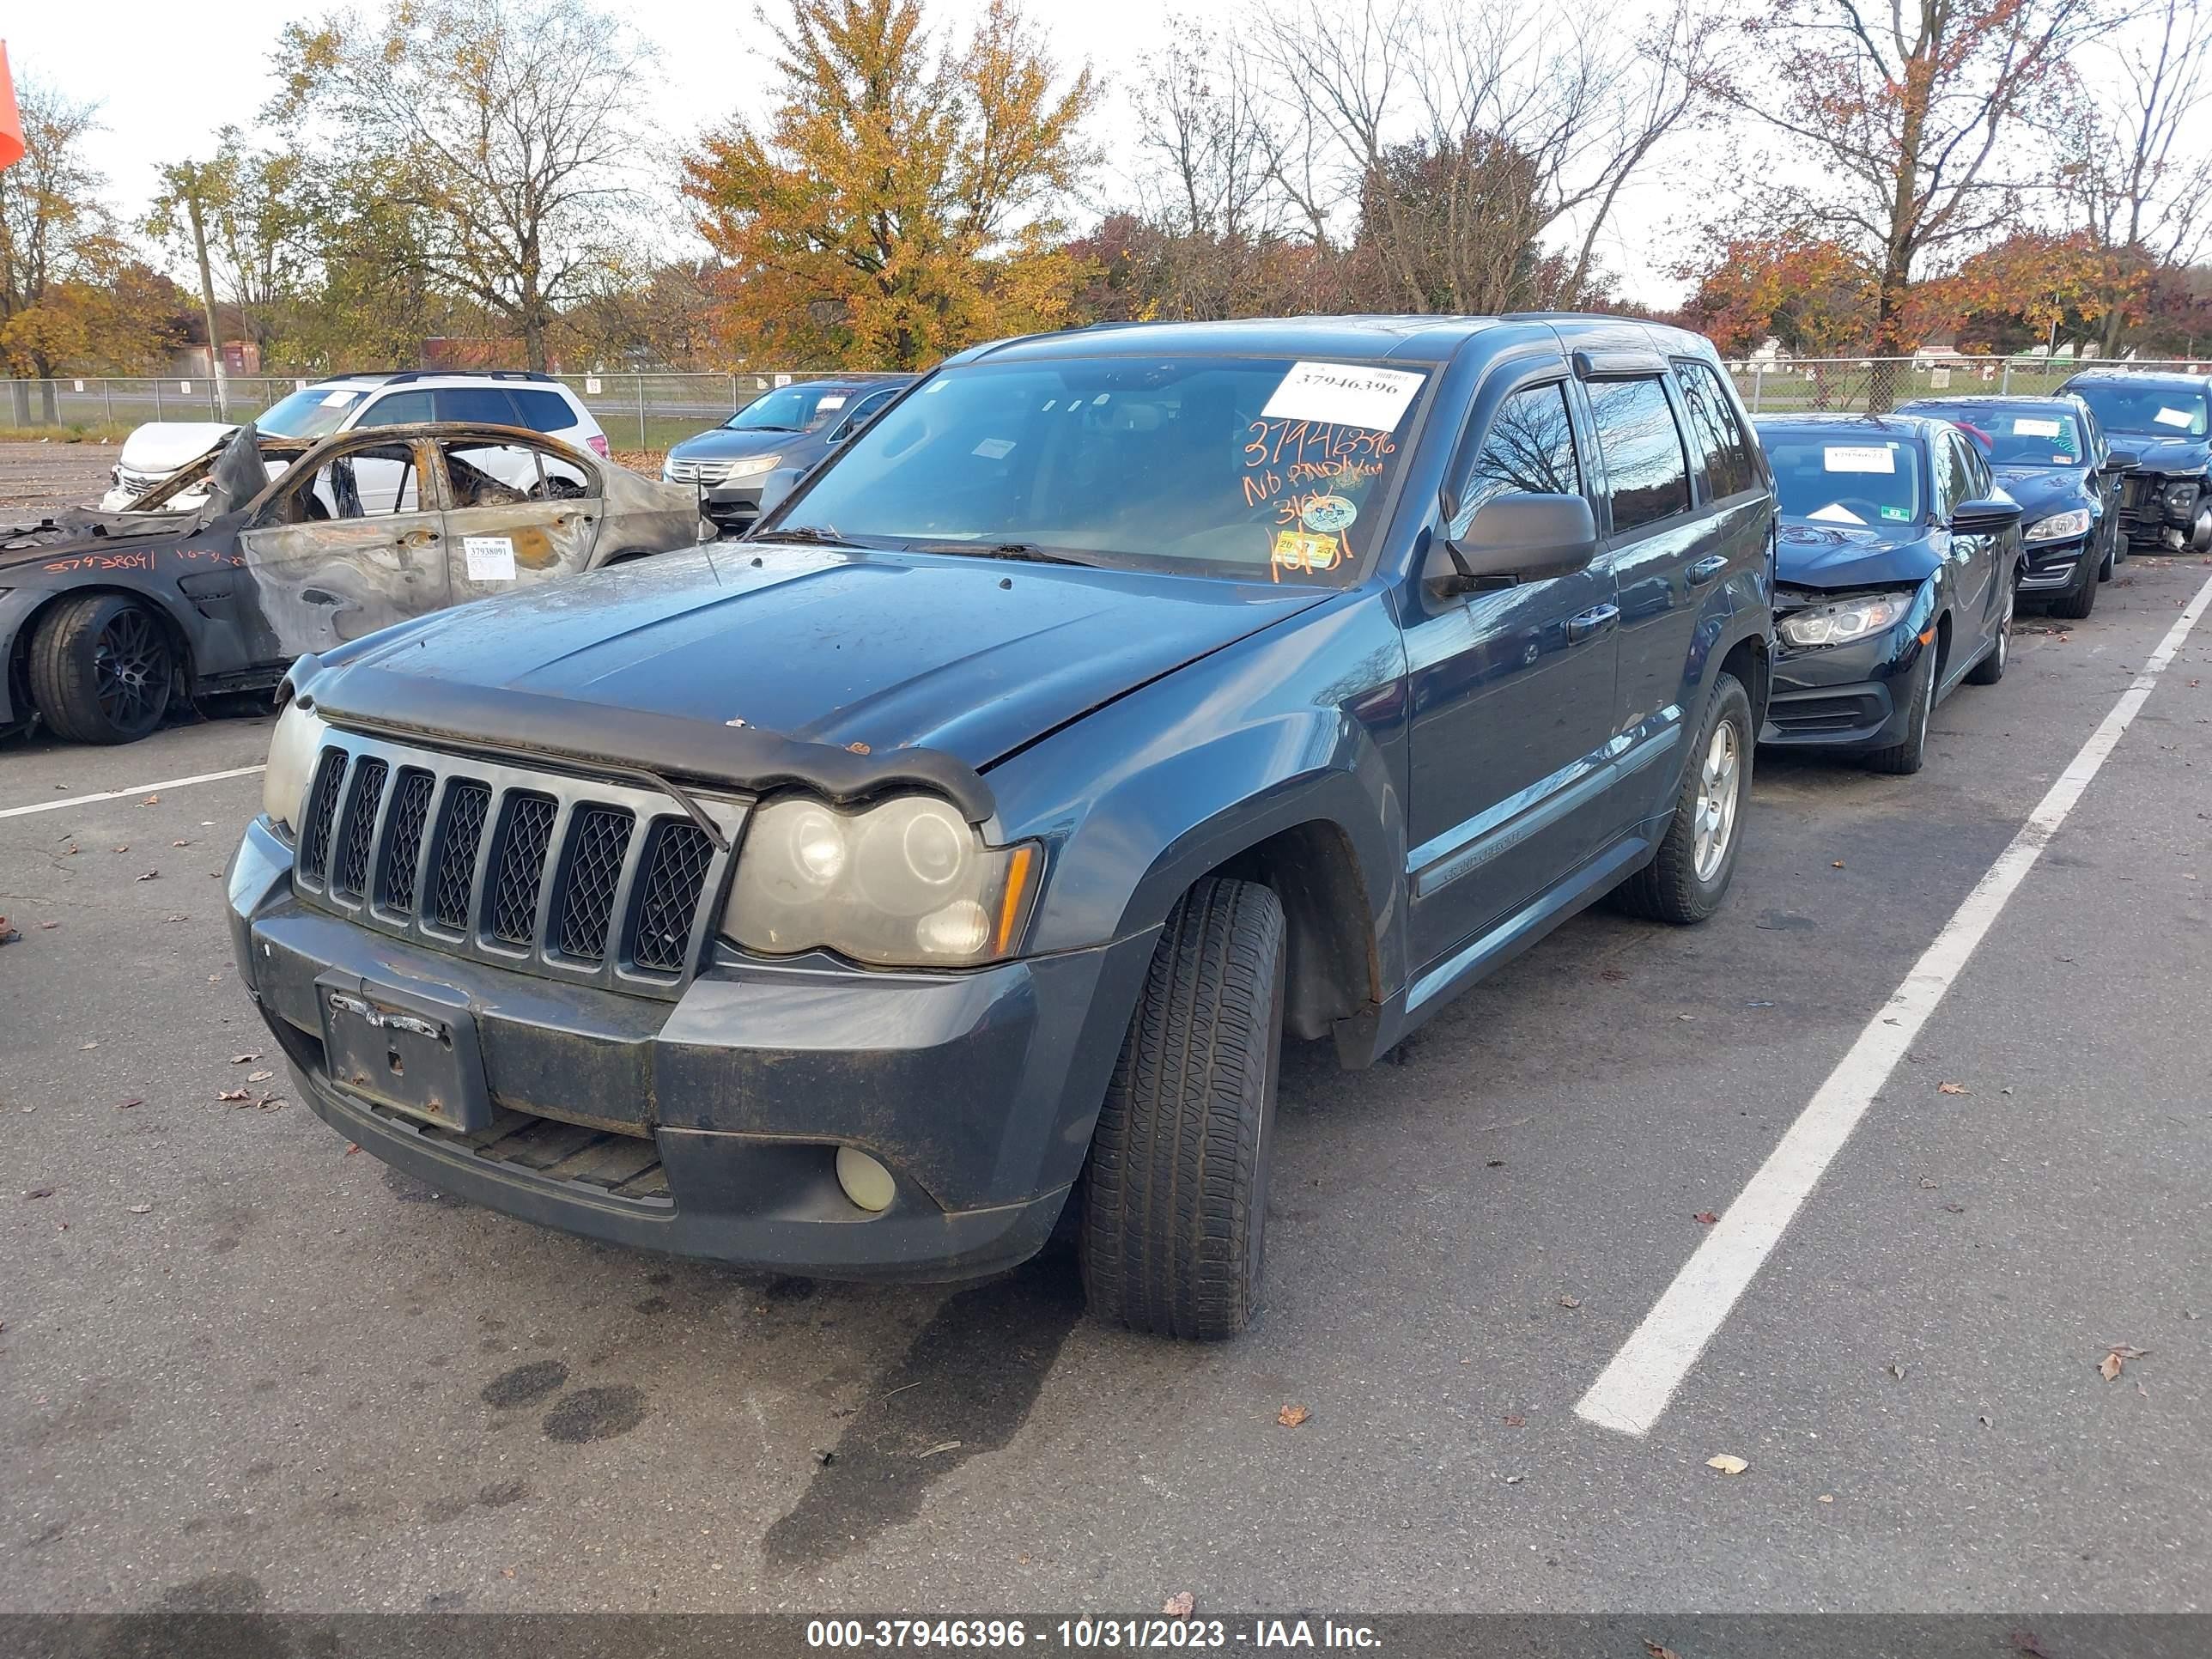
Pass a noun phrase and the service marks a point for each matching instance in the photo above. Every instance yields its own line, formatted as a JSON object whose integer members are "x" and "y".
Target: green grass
{"x": 97, "y": 432}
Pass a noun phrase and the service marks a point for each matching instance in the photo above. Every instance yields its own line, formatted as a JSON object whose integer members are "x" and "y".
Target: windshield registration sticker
{"x": 2173, "y": 417}
{"x": 1859, "y": 458}
{"x": 1301, "y": 549}
{"x": 2028, "y": 427}
{"x": 491, "y": 558}
{"x": 994, "y": 449}
{"x": 1345, "y": 393}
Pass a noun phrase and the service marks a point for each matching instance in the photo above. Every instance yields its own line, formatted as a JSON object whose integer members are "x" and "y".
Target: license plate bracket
{"x": 411, "y": 1049}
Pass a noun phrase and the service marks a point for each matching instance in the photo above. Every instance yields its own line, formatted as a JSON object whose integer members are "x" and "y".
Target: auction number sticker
{"x": 1344, "y": 393}
{"x": 2173, "y": 417}
{"x": 491, "y": 558}
{"x": 2026, "y": 426}
{"x": 1860, "y": 458}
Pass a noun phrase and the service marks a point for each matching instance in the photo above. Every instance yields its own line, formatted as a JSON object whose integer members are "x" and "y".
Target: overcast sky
{"x": 168, "y": 75}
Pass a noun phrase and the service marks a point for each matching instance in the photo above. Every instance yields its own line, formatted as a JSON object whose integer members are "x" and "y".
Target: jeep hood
{"x": 702, "y": 663}
{"x": 1810, "y": 555}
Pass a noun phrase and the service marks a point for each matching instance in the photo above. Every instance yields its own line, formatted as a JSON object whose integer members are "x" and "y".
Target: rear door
{"x": 500, "y": 533}
{"x": 1958, "y": 476}
{"x": 1512, "y": 688}
{"x": 325, "y": 569}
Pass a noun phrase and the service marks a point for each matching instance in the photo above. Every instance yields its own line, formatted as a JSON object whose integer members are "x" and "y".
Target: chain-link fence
{"x": 654, "y": 410}
{"x": 650, "y": 410}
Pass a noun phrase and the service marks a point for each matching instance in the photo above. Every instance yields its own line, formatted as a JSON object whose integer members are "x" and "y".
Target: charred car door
{"x": 322, "y": 568}
{"x": 516, "y": 515}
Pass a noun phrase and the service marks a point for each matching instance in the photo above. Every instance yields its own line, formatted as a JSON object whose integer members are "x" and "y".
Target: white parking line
{"x": 1631, "y": 1394}
{"x": 117, "y": 794}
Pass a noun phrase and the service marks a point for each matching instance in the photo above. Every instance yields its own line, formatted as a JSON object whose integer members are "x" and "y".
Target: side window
{"x": 866, "y": 410}
{"x": 396, "y": 409}
{"x": 1949, "y": 480}
{"x": 335, "y": 490}
{"x": 1529, "y": 448}
{"x": 504, "y": 475}
{"x": 543, "y": 411}
{"x": 1647, "y": 474}
{"x": 476, "y": 403}
{"x": 1717, "y": 436}
{"x": 1980, "y": 481}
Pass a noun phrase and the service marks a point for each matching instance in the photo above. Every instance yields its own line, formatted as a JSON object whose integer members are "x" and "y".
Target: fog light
{"x": 866, "y": 1182}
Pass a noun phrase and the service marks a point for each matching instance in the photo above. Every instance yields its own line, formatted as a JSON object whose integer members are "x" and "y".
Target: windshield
{"x": 1235, "y": 466}
{"x": 2045, "y": 436}
{"x": 309, "y": 414}
{"x": 791, "y": 409}
{"x": 1845, "y": 478}
{"x": 2154, "y": 411}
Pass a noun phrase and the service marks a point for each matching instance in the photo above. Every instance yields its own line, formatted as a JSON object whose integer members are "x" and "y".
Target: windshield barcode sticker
{"x": 1859, "y": 458}
{"x": 2172, "y": 417}
{"x": 2024, "y": 427}
{"x": 1344, "y": 393}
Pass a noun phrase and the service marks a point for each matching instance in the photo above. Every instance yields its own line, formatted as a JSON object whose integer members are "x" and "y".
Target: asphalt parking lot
{"x": 241, "y": 1366}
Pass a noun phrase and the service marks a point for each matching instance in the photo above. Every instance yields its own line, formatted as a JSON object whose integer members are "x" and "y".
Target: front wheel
{"x": 101, "y": 670}
{"x": 1990, "y": 669}
{"x": 1685, "y": 881}
{"x": 1176, "y": 1191}
{"x": 1904, "y": 758}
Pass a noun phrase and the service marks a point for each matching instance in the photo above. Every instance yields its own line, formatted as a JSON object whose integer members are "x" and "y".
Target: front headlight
{"x": 2059, "y": 526}
{"x": 751, "y": 466}
{"x": 293, "y": 748}
{"x": 2180, "y": 497}
{"x": 907, "y": 883}
{"x": 1845, "y": 620}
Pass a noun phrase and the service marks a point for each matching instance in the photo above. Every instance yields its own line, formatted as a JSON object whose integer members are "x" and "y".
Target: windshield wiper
{"x": 1026, "y": 550}
{"x": 810, "y": 536}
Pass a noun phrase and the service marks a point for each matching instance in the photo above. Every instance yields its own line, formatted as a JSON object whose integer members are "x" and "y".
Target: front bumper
{"x": 2057, "y": 567}
{"x": 2156, "y": 512}
{"x": 1843, "y": 696}
{"x": 709, "y": 1126}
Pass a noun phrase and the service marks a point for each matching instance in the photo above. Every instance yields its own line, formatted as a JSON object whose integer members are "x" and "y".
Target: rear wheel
{"x": 1685, "y": 881}
{"x": 1176, "y": 1191}
{"x": 101, "y": 670}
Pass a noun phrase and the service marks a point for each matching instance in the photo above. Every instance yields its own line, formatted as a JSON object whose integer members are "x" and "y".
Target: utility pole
{"x": 194, "y": 179}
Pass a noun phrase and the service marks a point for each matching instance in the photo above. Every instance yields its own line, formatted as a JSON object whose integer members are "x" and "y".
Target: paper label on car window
{"x": 837, "y": 400}
{"x": 995, "y": 449}
{"x": 2173, "y": 417}
{"x": 1835, "y": 513}
{"x": 491, "y": 558}
{"x": 338, "y": 399}
{"x": 1859, "y": 458}
{"x": 2026, "y": 426}
{"x": 1344, "y": 394}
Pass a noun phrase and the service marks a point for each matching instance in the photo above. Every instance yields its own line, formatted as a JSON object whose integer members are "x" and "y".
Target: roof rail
{"x": 407, "y": 376}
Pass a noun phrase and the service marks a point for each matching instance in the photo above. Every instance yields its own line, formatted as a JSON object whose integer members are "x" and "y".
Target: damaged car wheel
{"x": 1176, "y": 1192}
{"x": 101, "y": 670}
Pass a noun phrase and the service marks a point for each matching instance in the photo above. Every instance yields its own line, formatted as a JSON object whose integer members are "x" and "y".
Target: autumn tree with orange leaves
{"x": 1905, "y": 130}
{"x": 902, "y": 200}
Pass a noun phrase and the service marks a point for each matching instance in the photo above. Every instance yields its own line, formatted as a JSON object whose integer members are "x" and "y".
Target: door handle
{"x": 1706, "y": 569}
{"x": 1591, "y": 623}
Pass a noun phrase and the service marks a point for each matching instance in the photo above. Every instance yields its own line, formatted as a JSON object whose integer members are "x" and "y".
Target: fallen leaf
{"x": 1180, "y": 1605}
{"x": 1837, "y": 864}
{"x": 1827, "y": 1498}
{"x": 1291, "y": 1416}
{"x": 273, "y": 1104}
{"x": 1985, "y": 1421}
{"x": 142, "y": 1209}
{"x": 124, "y": 848}
{"x": 2109, "y": 1368}
{"x": 941, "y": 1446}
{"x": 180, "y": 843}
{"x": 49, "y": 924}
{"x": 2028, "y": 1642}
{"x": 125, "y": 1105}
{"x": 507, "y": 1572}
{"x": 82, "y": 1047}
{"x": 1897, "y": 1371}
{"x": 176, "y": 918}
{"x": 244, "y": 1059}
{"x": 1956, "y": 1209}
{"x": 858, "y": 748}
{"x": 151, "y": 800}
{"x": 1657, "y": 1651}
{"x": 1493, "y": 1163}
{"x": 1726, "y": 1464}
{"x": 352, "y": 1148}
{"x": 1514, "y": 1480}
{"x": 1570, "y": 1302}
{"x": 151, "y": 875}
{"x": 1952, "y": 1089}
{"x": 1613, "y": 974}
{"x": 1517, "y": 1422}
{"x": 39, "y": 1192}
{"x": 259, "y": 1077}
{"x": 1705, "y": 1217}
{"x": 230, "y": 1094}
{"x": 1928, "y": 1184}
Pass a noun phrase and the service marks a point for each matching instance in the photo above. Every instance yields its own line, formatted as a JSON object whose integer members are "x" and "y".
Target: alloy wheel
{"x": 1720, "y": 787}
{"x": 132, "y": 671}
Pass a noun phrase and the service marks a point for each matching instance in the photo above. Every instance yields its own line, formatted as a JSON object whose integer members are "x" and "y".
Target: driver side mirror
{"x": 1987, "y": 517}
{"x": 1514, "y": 538}
{"x": 2122, "y": 460}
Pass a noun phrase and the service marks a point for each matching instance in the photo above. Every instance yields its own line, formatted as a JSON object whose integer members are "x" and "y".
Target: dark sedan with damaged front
{"x": 1895, "y": 575}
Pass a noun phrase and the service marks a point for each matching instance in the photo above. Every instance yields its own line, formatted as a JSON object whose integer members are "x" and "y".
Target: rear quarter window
{"x": 476, "y": 404}
{"x": 543, "y": 411}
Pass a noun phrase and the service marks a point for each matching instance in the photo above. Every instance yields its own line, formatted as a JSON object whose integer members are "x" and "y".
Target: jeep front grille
{"x": 569, "y": 876}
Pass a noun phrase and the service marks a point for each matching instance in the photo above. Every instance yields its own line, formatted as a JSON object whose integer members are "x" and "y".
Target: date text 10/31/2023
{"x": 1090, "y": 1635}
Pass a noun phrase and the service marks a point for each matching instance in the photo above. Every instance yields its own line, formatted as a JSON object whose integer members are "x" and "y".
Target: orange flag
{"x": 11, "y": 124}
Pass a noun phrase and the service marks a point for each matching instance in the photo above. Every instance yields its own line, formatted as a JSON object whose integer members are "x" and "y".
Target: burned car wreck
{"x": 105, "y": 618}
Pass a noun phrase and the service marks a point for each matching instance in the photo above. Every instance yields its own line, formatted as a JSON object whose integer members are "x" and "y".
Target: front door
{"x": 324, "y": 570}
{"x": 1960, "y": 476}
{"x": 1512, "y": 696}
{"x": 517, "y": 515}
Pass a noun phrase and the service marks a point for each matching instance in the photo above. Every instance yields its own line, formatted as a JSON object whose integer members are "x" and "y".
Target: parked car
{"x": 154, "y": 452}
{"x": 748, "y": 462}
{"x": 2051, "y": 455}
{"x": 106, "y": 617}
{"x": 1894, "y": 580}
{"x": 853, "y": 898}
{"x": 2166, "y": 421}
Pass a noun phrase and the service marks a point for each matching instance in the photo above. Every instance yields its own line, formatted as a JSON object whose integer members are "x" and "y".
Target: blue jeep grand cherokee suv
{"x": 848, "y": 900}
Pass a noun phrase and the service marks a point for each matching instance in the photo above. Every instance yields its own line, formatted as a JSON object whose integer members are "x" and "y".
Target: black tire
{"x": 2109, "y": 530}
{"x": 101, "y": 670}
{"x": 1671, "y": 888}
{"x": 2075, "y": 603}
{"x": 1903, "y": 759}
{"x": 1176, "y": 1191}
